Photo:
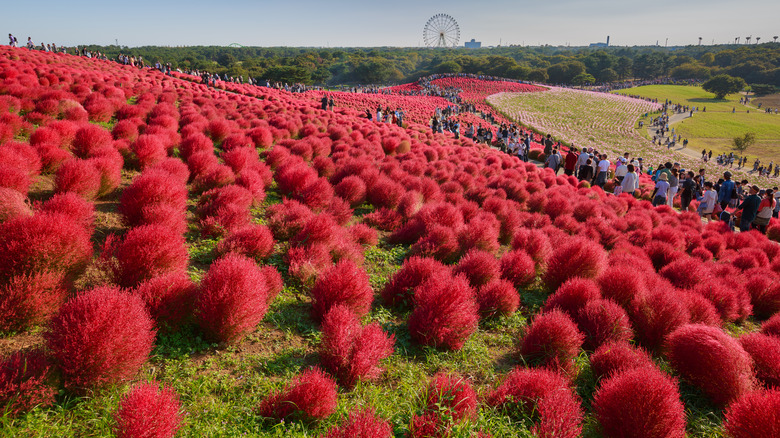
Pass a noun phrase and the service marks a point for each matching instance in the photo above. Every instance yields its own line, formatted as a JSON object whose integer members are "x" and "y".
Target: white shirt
{"x": 603, "y": 165}
{"x": 630, "y": 183}
{"x": 662, "y": 187}
{"x": 621, "y": 170}
{"x": 709, "y": 199}
{"x": 582, "y": 159}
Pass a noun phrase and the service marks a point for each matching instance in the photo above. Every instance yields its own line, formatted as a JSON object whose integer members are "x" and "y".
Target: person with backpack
{"x": 727, "y": 191}
{"x": 749, "y": 209}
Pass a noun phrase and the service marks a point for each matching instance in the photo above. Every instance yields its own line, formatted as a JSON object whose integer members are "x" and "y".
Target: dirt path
{"x": 673, "y": 120}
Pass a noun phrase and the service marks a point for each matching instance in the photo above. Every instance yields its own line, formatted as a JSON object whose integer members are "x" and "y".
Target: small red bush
{"x": 452, "y": 395}
{"x": 754, "y": 415}
{"x": 603, "y": 321}
{"x": 552, "y": 340}
{"x": 542, "y": 396}
{"x": 254, "y": 241}
{"x": 361, "y": 424}
{"x": 169, "y": 299}
{"x": 701, "y": 310}
{"x": 349, "y": 351}
{"x": 613, "y": 357}
{"x": 642, "y": 403}
{"x": 100, "y": 337}
{"x": 764, "y": 288}
{"x": 621, "y": 284}
{"x": 24, "y": 382}
{"x": 351, "y": 189}
{"x": 345, "y": 283}
{"x": 479, "y": 267}
{"x": 535, "y": 243}
{"x": 576, "y": 257}
{"x": 765, "y": 352}
{"x": 572, "y": 296}
{"x": 90, "y": 138}
{"x": 655, "y": 314}
{"x": 439, "y": 242}
{"x": 80, "y": 177}
{"x": 27, "y": 300}
{"x": 772, "y": 326}
{"x": 711, "y": 360}
{"x": 149, "y": 411}
{"x": 151, "y": 188}
{"x": 232, "y": 299}
{"x": 73, "y": 206}
{"x": 518, "y": 268}
{"x": 445, "y": 312}
{"x": 414, "y": 271}
{"x": 13, "y": 204}
{"x": 723, "y": 296}
{"x": 311, "y": 395}
{"x": 499, "y": 297}
{"x": 146, "y": 252}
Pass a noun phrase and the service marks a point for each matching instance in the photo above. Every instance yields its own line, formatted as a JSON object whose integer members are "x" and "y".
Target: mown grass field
{"x": 716, "y": 128}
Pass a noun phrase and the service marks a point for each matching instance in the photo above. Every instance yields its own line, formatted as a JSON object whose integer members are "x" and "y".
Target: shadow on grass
{"x": 289, "y": 314}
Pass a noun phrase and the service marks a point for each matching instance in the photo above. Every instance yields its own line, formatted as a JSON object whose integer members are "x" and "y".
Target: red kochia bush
{"x": 232, "y": 299}
{"x": 553, "y": 341}
{"x": 80, "y": 177}
{"x": 518, "y": 267}
{"x": 73, "y": 206}
{"x": 361, "y": 424}
{"x": 169, "y": 298}
{"x": 253, "y": 241}
{"x": 614, "y": 357}
{"x": 544, "y": 397}
{"x": 754, "y": 415}
{"x": 572, "y": 296}
{"x": 351, "y": 189}
{"x": 414, "y": 271}
{"x": 712, "y": 360}
{"x": 479, "y": 267}
{"x": 24, "y": 379}
{"x": 655, "y": 314}
{"x": 498, "y": 297}
{"x": 147, "y": 252}
{"x": 149, "y": 189}
{"x": 349, "y": 351}
{"x": 452, "y": 394}
{"x": 13, "y": 204}
{"x": 445, "y": 312}
{"x": 345, "y": 283}
{"x": 641, "y": 403}
{"x": 149, "y": 411}
{"x": 772, "y": 326}
{"x": 311, "y": 395}
{"x": 765, "y": 352}
{"x": 576, "y": 257}
{"x": 100, "y": 337}
{"x": 602, "y": 321}
{"x": 27, "y": 300}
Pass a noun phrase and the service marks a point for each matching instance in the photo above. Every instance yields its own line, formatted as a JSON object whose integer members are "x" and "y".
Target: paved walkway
{"x": 674, "y": 119}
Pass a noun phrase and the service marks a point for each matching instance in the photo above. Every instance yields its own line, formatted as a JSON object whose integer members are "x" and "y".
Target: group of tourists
{"x": 396, "y": 117}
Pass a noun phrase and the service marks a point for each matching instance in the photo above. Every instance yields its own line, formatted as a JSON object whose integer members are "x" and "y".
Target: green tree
{"x": 565, "y": 72}
{"x": 583, "y": 78}
{"x": 721, "y": 85}
{"x": 538, "y": 75}
{"x": 448, "y": 67}
{"x": 742, "y": 143}
{"x": 608, "y": 75}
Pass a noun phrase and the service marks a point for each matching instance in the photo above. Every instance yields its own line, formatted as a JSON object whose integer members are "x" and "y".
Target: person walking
{"x": 688, "y": 188}
{"x": 674, "y": 186}
{"x": 630, "y": 182}
{"x": 727, "y": 190}
{"x": 765, "y": 211}
{"x": 570, "y": 163}
{"x": 749, "y": 209}
{"x": 661, "y": 190}
{"x": 707, "y": 200}
{"x": 603, "y": 168}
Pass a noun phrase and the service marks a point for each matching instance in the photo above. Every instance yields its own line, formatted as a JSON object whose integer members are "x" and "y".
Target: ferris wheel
{"x": 441, "y": 30}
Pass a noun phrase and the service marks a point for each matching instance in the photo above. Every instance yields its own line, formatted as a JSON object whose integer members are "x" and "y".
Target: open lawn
{"x": 716, "y": 128}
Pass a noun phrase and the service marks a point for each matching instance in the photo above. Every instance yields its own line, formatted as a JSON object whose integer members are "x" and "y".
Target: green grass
{"x": 685, "y": 95}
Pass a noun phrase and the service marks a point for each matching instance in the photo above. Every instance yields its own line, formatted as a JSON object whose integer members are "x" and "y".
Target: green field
{"x": 716, "y": 128}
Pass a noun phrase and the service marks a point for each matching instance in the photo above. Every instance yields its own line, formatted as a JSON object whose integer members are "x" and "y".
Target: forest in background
{"x": 756, "y": 64}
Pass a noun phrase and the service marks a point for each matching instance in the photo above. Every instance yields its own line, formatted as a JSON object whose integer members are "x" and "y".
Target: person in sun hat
{"x": 661, "y": 190}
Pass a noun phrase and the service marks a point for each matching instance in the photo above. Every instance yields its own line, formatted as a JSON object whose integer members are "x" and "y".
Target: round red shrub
{"x": 621, "y": 284}
{"x": 764, "y": 288}
{"x": 151, "y": 188}
{"x": 711, "y": 360}
{"x": 254, "y": 241}
{"x": 311, "y": 395}
{"x": 684, "y": 273}
{"x": 499, "y": 297}
{"x": 13, "y": 204}
{"x": 765, "y": 352}
{"x": 576, "y": 257}
{"x": 518, "y": 268}
{"x": 642, "y": 403}
{"x": 479, "y": 267}
{"x": 439, "y": 242}
{"x": 614, "y": 357}
{"x": 232, "y": 298}
{"x": 361, "y": 424}
{"x": 149, "y": 150}
{"x": 90, "y": 138}
{"x": 552, "y": 340}
{"x": 414, "y": 271}
{"x": 14, "y": 178}
{"x": 754, "y": 415}
{"x": 445, "y": 312}
{"x": 572, "y": 296}
{"x": 146, "y": 252}
{"x": 452, "y": 395}
{"x": 345, "y": 283}
{"x": 772, "y": 326}
{"x": 78, "y": 176}
{"x": 169, "y": 299}
{"x": 351, "y": 189}
{"x": 100, "y": 337}
{"x": 149, "y": 411}
{"x": 655, "y": 314}
{"x": 701, "y": 310}
{"x": 24, "y": 382}
{"x": 603, "y": 321}
{"x": 723, "y": 296}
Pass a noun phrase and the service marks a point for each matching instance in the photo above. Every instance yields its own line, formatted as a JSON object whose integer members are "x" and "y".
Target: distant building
{"x": 600, "y": 44}
{"x": 473, "y": 44}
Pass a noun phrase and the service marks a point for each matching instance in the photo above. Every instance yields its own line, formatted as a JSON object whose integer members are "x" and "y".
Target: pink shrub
{"x": 311, "y": 395}
{"x": 254, "y": 241}
{"x": 13, "y": 204}
{"x": 232, "y": 299}
{"x": 24, "y": 382}
{"x": 146, "y": 252}
{"x": 346, "y": 283}
{"x": 711, "y": 360}
{"x": 80, "y": 177}
{"x": 603, "y": 321}
{"x": 452, "y": 395}
{"x": 149, "y": 411}
{"x": 169, "y": 299}
{"x": 479, "y": 267}
{"x": 642, "y": 402}
{"x": 576, "y": 257}
{"x": 414, "y": 271}
{"x": 552, "y": 340}
{"x": 765, "y": 352}
{"x": 351, "y": 189}
{"x": 498, "y": 297}
{"x": 361, "y": 424}
{"x": 445, "y": 312}
{"x": 349, "y": 351}
{"x": 754, "y": 415}
{"x": 99, "y": 338}
{"x": 542, "y": 396}
{"x": 614, "y": 357}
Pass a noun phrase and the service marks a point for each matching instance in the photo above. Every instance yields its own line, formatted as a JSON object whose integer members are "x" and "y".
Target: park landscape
{"x": 177, "y": 259}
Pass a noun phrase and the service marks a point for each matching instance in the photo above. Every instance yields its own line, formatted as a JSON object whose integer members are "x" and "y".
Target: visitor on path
{"x": 727, "y": 190}
{"x": 585, "y": 173}
{"x": 553, "y": 161}
{"x": 621, "y": 170}
{"x": 581, "y": 160}
{"x": 674, "y": 186}
{"x": 603, "y": 168}
{"x": 630, "y": 182}
{"x": 570, "y": 163}
{"x": 765, "y": 211}
{"x": 11, "y": 40}
{"x": 324, "y": 102}
{"x": 661, "y": 190}
{"x": 749, "y": 209}
{"x": 688, "y": 189}
{"x": 707, "y": 200}
{"x": 776, "y": 210}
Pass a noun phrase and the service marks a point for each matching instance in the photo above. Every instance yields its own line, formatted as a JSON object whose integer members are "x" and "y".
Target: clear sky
{"x": 362, "y": 23}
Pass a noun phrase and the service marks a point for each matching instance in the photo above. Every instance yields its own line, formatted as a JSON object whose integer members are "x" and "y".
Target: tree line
{"x": 755, "y": 64}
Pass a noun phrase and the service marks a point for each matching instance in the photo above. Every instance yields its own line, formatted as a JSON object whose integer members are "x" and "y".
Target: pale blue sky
{"x": 387, "y": 23}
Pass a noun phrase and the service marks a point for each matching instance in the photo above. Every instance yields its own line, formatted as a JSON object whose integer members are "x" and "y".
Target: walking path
{"x": 674, "y": 119}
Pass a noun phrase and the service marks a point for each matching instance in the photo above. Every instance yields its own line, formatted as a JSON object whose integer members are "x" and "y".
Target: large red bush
{"x": 576, "y": 257}
{"x": 642, "y": 403}
{"x": 603, "y": 321}
{"x": 655, "y": 314}
{"x": 253, "y": 241}
{"x": 765, "y": 352}
{"x": 311, "y": 395}
{"x": 552, "y": 340}
{"x": 232, "y": 299}
{"x": 572, "y": 296}
{"x": 452, "y": 395}
{"x": 345, "y": 283}
{"x": 479, "y": 267}
{"x": 499, "y": 297}
{"x": 414, "y": 271}
{"x": 78, "y": 176}
{"x": 149, "y": 411}
{"x": 754, "y": 415}
{"x": 100, "y": 337}
{"x": 151, "y": 188}
{"x": 146, "y": 252}
{"x": 169, "y": 299}
{"x": 615, "y": 357}
{"x": 710, "y": 359}
{"x": 24, "y": 382}
{"x": 13, "y": 204}
{"x": 445, "y": 312}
